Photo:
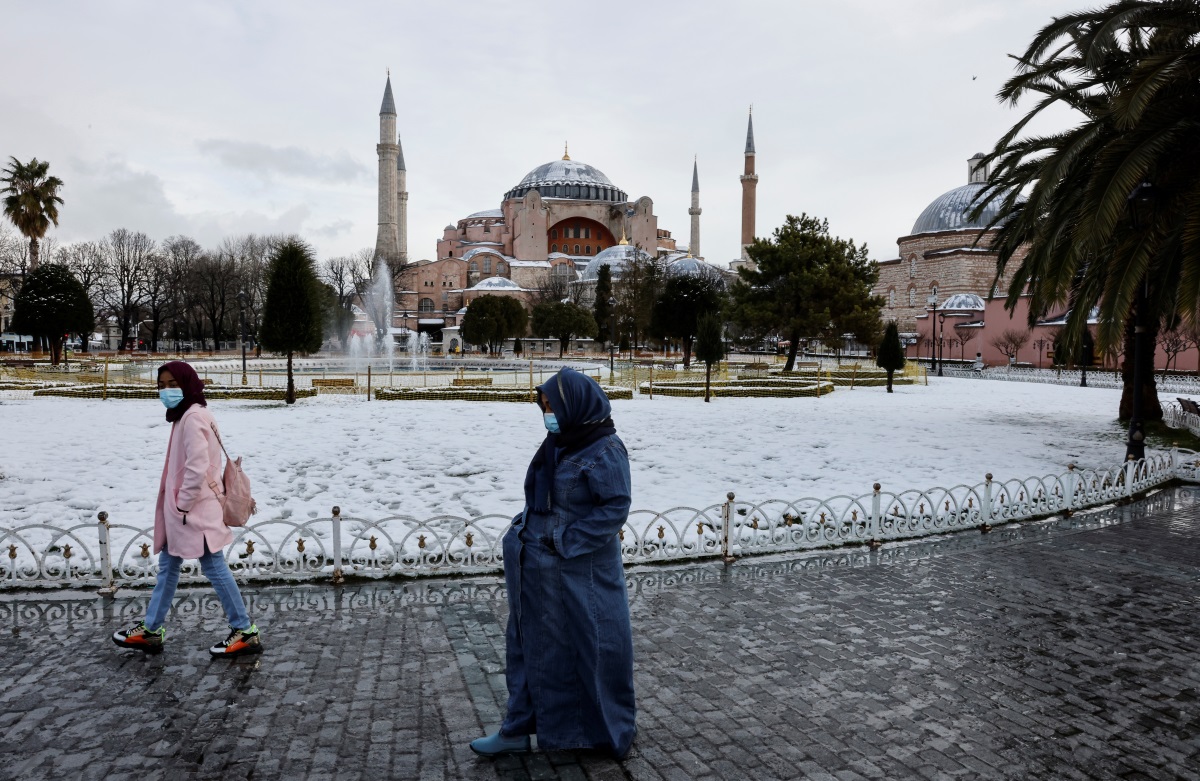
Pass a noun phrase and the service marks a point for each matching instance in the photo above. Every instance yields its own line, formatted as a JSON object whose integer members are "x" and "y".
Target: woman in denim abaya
{"x": 569, "y": 643}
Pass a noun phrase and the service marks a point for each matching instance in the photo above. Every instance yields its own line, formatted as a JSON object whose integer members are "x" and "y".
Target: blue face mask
{"x": 170, "y": 397}
{"x": 551, "y": 422}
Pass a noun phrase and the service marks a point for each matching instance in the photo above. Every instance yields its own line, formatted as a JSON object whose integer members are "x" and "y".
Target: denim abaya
{"x": 569, "y": 642}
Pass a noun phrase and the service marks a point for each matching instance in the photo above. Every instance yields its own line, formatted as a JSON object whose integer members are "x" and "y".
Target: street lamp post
{"x": 1140, "y": 202}
{"x": 242, "y": 300}
{"x": 933, "y": 348}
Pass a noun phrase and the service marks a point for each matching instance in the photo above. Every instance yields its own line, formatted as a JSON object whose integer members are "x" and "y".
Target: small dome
{"x": 686, "y": 264}
{"x": 497, "y": 283}
{"x": 951, "y": 211}
{"x": 964, "y": 301}
{"x": 450, "y": 228}
{"x": 616, "y": 257}
{"x": 568, "y": 179}
{"x": 486, "y": 214}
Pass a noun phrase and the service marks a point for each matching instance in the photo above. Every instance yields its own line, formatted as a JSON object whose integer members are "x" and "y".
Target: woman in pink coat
{"x": 189, "y": 519}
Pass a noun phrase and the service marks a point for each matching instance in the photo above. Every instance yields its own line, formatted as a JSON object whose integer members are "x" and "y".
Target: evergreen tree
{"x": 891, "y": 352}
{"x": 710, "y": 346}
{"x": 490, "y": 320}
{"x": 293, "y": 316}
{"x": 602, "y": 311}
{"x": 563, "y": 322}
{"x": 51, "y": 303}
{"x": 808, "y": 283}
{"x": 684, "y": 299}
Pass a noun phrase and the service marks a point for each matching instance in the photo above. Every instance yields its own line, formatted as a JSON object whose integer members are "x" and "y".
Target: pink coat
{"x": 193, "y": 460}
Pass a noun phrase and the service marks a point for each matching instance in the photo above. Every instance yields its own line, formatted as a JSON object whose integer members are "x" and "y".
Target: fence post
{"x": 531, "y": 385}
{"x": 1070, "y": 497}
{"x": 368, "y": 382}
{"x": 726, "y": 523}
{"x": 104, "y": 395}
{"x": 107, "y": 587}
{"x": 651, "y": 386}
{"x": 337, "y": 545}
{"x": 873, "y": 537}
{"x": 986, "y": 526}
{"x": 1130, "y": 472}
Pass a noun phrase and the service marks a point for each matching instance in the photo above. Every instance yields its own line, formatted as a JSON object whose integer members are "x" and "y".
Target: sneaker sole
{"x": 251, "y": 649}
{"x": 504, "y": 753}
{"x": 144, "y": 648}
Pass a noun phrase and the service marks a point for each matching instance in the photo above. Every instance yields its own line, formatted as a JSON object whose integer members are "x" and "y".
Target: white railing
{"x": 1096, "y": 378}
{"x": 108, "y": 555}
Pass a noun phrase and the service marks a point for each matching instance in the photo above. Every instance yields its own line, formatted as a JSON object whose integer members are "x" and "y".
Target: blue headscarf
{"x": 584, "y": 415}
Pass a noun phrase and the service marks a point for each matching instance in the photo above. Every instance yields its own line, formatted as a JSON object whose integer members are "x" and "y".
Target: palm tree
{"x": 1107, "y": 213}
{"x": 31, "y": 200}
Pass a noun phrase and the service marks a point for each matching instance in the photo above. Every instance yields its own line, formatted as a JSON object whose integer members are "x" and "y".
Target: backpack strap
{"x": 213, "y": 483}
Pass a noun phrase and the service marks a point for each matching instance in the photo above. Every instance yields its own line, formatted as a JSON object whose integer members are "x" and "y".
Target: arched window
{"x": 426, "y": 305}
{"x": 933, "y": 290}
{"x": 487, "y": 265}
{"x": 587, "y": 250}
{"x": 912, "y": 296}
{"x": 554, "y": 233}
{"x": 576, "y": 246}
{"x": 587, "y": 233}
{"x": 554, "y": 248}
{"x": 891, "y": 298}
{"x": 499, "y": 267}
{"x": 451, "y": 254}
{"x": 912, "y": 267}
{"x": 474, "y": 267}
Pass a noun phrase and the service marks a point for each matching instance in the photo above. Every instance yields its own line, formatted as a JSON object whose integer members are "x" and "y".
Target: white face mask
{"x": 551, "y": 422}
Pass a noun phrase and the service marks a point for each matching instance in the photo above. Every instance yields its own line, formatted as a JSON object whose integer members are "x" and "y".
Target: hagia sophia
{"x": 565, "y": 219}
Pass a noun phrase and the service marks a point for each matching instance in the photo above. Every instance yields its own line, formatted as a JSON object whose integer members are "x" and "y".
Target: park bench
{"x": 466, "y": 382}
{"x": 754, "y": 371}
{"x": 333, "y": 382}
{"x": 801, "y": 365}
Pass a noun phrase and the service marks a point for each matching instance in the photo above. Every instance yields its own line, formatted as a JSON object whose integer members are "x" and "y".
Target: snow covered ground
{"x": 62, "y": 460}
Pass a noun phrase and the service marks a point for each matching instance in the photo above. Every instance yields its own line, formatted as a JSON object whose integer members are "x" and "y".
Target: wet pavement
{"x": 1061, "y": 649}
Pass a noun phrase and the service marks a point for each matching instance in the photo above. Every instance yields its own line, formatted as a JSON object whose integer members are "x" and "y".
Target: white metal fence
{"x": 1166, "y": 383}
{"x": 108, "y": 554}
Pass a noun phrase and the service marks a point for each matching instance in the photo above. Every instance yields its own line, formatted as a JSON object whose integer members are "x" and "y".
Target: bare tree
{"x": 1178, "y": 340}
{"x": 1010, "y": 343}
{"x": 127, "y": 256}
{"x": 85, "y": 259}
{"x": 215, "y": 281}
{"x": 341, "y": 275}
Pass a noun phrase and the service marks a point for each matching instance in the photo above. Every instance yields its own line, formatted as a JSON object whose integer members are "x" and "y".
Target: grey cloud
{"x": 266, "y": 160}
{"x": 333, "y": 229}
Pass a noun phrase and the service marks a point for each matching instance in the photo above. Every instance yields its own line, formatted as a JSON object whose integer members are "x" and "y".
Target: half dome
{"x": 568, "y": 179}
{"x": 617, "y": 258}
{"x": 964, "y": 302}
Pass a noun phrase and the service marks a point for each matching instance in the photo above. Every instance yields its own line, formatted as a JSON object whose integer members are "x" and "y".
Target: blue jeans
{"x": 215, "y": 569}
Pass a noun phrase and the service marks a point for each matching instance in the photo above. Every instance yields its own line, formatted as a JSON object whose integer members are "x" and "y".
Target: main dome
{"x": 568, "y": 179}
{"x": 951, "y": 211}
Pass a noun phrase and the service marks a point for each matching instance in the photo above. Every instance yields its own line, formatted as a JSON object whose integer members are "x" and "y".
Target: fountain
{"x": 378, "y": 303}
{"x": 418, "y": 347}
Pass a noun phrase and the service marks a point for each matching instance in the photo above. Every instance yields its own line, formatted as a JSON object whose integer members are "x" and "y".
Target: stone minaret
{"x": 389, "y": 152}
{"x": 401, "y": 204}
{"x": 694, "y": 241}
{"x": 749, "y": 183}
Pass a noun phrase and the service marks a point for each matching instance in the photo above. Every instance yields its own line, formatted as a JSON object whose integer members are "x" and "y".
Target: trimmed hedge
{"x": 211, "y": 392}
{"x": 745, "y": 390}
{"x": 450, "y": 393}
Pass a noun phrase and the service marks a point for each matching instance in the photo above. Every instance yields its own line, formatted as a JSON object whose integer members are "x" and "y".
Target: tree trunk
{"x": 792, "y": 348}
{"x": 290, "y": 397}
{"x": 890, "y": 373}
{"x": 707, "y": 381}
{"x": 34, "y": 254}
{"x": 562, "y": 347}
{"x": 1151, "y": 408}
{"x": 687, "y": 353}
{"x": 55, "y": 350}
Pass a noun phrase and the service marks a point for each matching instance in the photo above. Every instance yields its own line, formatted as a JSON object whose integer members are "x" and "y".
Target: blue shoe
{"x": 496, "y": 745}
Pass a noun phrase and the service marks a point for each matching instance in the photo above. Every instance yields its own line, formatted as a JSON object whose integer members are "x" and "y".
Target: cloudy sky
{"x": 216, "y": 118}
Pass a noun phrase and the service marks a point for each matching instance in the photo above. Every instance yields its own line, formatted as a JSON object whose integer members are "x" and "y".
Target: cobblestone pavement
{"x": 1056, "y": 650}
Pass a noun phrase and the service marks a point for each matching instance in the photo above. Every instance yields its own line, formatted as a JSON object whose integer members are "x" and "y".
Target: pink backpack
{"x": 236, "y": 502}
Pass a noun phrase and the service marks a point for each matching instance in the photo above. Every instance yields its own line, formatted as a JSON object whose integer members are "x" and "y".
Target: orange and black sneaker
{"x": 240, "y": 641}
{"x": 141, "y": 638}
